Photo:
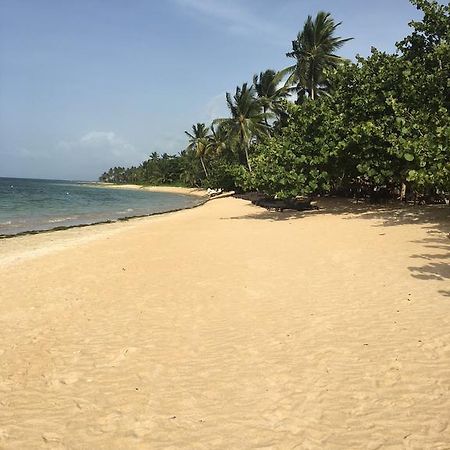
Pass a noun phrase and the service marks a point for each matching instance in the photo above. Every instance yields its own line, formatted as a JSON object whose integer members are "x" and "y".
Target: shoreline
{"x": 15, "y": 247}
{"x": 104, "y": 222}
{"x": 197, "y": 192}
{"x": 193, "y": 192}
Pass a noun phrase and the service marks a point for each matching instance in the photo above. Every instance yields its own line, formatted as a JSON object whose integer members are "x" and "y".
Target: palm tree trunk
{"x": 312, "y": 91}
{"x": 265, "y": 116}
{"x": 247, "y": 147}
{"x": 204, "y": 167}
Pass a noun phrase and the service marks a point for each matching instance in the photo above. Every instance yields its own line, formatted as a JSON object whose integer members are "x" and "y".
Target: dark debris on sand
{"x": 295, "y": 204}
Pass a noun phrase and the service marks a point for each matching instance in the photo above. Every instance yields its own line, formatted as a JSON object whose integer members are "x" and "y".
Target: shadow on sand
{"x": 435, "y": 219}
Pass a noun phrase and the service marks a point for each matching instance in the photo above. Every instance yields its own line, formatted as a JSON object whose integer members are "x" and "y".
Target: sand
{"x": 229, "y": 327}
{"x": 198, "y": 192}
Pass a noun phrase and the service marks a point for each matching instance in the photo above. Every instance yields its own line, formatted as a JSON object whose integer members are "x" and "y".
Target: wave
{"x": 61, "y": 219}
{"x": 126, "y": 211}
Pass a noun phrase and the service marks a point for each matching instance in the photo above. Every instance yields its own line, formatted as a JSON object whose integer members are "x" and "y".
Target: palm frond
{"x": 314, "y": 51}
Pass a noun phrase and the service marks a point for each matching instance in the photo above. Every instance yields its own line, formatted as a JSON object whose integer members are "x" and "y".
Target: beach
{"x": 227, "y": 326}
{"x": 198, "y": 192}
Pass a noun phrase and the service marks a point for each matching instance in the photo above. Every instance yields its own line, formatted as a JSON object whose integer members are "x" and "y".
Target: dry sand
{"x": 169, "y": 189}
{"x": 229, "y": 327}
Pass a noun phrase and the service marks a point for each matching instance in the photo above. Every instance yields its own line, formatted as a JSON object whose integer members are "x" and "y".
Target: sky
{"x": 90, "y": 84}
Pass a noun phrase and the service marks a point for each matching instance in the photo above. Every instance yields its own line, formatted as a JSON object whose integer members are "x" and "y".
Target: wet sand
{"x": 227, "y": 326}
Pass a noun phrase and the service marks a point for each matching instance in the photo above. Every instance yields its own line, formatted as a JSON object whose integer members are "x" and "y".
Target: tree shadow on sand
{"x": 435, "y": 219}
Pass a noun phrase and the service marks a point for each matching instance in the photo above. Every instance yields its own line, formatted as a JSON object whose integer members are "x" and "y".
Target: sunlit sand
{"x": 228, "y": 326}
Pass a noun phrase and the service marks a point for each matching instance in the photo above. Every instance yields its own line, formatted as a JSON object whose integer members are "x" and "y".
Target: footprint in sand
{"x": 438, "y": 426}
{"x": 51, "y": 438}
{"x": 122, "y": 356}
{"x": 64, "y": 379}
{"x": 375, "y": 445}
{"x": 110, "y": 422}
{"x": 69, "y": 378}
{"x": 142, "y": 428}
{"x": 3, "y": 434}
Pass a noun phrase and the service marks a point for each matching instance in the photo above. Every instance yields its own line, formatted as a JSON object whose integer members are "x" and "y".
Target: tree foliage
{"x": 295, "y": 161}
{"x": 159, "y": 170}
{"x": 314, "y": 52}
{"x": 247, "y": 120}
{"x": 199, "y": 142}
{"x": 384, "y": 125}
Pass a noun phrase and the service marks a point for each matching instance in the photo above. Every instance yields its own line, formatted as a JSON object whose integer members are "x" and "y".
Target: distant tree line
{"x": 378, "y": 126}
{"x": 183, "y": 169}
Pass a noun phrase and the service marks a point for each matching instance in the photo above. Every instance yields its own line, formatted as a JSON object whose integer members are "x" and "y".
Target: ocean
{"x": 32, "y": 205}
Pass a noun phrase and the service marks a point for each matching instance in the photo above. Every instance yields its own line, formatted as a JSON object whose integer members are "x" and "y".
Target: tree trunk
{"x": 246, "y": 156}
{"x": 265, "y": 116}
{"x": 313, "y": 88}
{"x": 204, "y": 167}
{"x": 403, "y": 193}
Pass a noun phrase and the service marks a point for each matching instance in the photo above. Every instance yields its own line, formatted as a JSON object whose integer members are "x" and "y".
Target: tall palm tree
{"x": 246, "y": 121}
{"x": 199, "y": 142}
{"x": 314, "y": 51}
{"x": 267, "y": 87}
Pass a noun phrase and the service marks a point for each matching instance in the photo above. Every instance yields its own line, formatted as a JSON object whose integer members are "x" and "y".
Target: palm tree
{"x": 199, "y": 142}
{"x": 191, "y": 174}
{"x": 219, "y": 140}
{"x": 314, "y": 51}
{"x": 246, "y": 121}
{"x": 268, "y": 90}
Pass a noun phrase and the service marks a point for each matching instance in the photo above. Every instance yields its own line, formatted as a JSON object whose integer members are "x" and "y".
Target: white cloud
{"x": 85, "y": 157}
{"x": 215, "y": 108}
{"x": 101, "y": 143}
{"x": 235, "y": 17}
{"x": 95, "y": 152}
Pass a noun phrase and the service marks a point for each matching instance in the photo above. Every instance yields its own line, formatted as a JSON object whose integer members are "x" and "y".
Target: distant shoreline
{"x": 163, "y": 189}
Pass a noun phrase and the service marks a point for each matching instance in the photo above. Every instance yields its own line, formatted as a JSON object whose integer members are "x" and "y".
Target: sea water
{"x": 30, "y": 204}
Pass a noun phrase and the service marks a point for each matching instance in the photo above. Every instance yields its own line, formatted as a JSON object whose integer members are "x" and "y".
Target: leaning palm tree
{"x": 199, "y": 142}
{"x": 246, "y": 121}
{"x": 314, "y": 51}
{"x": 269, "y": 91}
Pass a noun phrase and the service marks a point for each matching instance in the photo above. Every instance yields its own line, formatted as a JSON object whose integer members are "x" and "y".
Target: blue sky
{"x": 90, "y": 84}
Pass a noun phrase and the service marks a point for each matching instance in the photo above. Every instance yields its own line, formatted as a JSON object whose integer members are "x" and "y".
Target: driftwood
{"x": 269, "y": 203}
{"x": 280, "y": 205}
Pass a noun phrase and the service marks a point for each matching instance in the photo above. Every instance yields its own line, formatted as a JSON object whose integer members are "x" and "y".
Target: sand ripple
{"x": 222, "y": 327}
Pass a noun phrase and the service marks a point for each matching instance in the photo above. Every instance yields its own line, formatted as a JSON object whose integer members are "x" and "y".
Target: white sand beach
{"x": 168, "y": 189}
{"x": 230, "y": 327}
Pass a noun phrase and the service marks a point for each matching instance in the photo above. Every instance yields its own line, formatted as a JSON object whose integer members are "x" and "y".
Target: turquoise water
{"x": 28, "y": 204}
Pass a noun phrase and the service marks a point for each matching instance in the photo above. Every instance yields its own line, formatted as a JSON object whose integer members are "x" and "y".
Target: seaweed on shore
{"x": 83, "y": 225}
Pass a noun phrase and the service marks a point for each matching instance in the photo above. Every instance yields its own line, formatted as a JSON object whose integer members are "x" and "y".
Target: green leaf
{"x": 409, "y": 157}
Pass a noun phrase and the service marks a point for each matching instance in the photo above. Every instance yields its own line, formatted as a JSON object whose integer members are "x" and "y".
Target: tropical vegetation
{"x": 377, "y": 126}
